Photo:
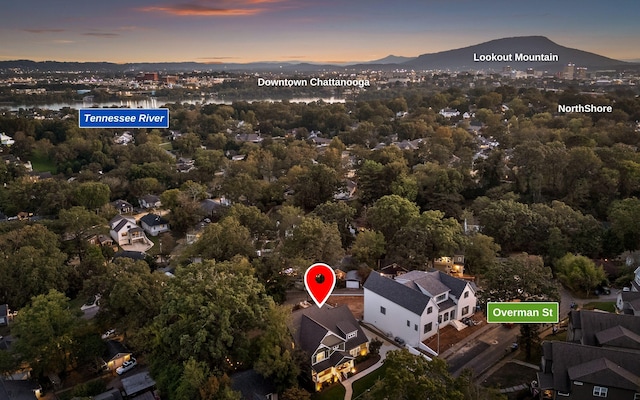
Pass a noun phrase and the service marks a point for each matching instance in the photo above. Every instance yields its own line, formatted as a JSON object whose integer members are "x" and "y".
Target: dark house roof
{"x": 251, "y": 385}
{"x": 592, "y": 323}
{"x": 153, "y": 220}
{"x": 17, "y": 390}
{"x": 396, "y": 292}
{"x": 609, "y": 367}
{"x": 137, "y": 383}
{"x": 114, "y": 348}
{"x": 310, "y": 326}
{"x": 150, "y": 198}
{"x": 122, "y": 206}
{"x": 393, "y": 270}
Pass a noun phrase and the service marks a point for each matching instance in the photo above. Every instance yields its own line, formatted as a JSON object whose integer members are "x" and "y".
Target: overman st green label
{"x": 525, "y": 312}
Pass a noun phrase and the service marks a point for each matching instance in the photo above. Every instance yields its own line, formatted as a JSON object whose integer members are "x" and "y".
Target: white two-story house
{"x": 414, "y": 305}
{"x": 125, "y": 230}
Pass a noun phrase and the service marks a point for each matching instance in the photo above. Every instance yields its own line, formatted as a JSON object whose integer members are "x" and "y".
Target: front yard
{"x": 366, "y": 382}
{"x": 336, "y": 392}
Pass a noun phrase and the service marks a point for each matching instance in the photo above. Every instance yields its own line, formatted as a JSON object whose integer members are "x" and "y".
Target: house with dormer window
{"x": 414, "y": 305}
{"x": 124, "y": 231}
{"x": 332, "y": 339}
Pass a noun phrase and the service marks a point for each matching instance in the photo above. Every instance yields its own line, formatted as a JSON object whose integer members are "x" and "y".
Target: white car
{"x": 127, "y": 366}
{"x": 108, "y": 334}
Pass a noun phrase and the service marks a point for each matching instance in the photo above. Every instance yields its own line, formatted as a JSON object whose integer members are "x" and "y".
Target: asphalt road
{"x": 481, "y": 353}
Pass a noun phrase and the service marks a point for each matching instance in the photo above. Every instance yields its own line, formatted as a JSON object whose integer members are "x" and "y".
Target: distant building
{"x": 150, "y": 201}
{"x": 122, "y": 206}
{"x": 148, "y": 76}
{"x": 568, "y": 71}
{"x": 154, "y": 224}
{"x": 449, "y": 112}
{"x": 6, "y": 140}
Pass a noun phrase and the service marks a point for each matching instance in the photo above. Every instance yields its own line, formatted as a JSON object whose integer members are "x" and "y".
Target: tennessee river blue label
{"x": 124, "y": 118}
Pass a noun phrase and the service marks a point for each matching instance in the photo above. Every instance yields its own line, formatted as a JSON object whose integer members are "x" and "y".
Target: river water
{"x": 154, "y": 103}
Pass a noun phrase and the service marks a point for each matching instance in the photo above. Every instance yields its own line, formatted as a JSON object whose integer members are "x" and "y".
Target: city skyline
{"x": 216, "y": 31}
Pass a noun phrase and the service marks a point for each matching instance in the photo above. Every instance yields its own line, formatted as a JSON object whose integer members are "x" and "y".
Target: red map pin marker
{"x": 320, "y": 281}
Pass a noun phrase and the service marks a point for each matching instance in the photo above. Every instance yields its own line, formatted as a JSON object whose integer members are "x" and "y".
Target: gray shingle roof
{"x": 565, "y": 355}
{"x": 456, "y": 285}
{"x": 154, "y": 220}
{"x": 592, "y": 322}
{"x": 310, "y": 325}
{"x": 618, "y": 336}
{"x": 604, "y": 370}
{"x": 431, "y": 284}
{"x": 396, "y": 292}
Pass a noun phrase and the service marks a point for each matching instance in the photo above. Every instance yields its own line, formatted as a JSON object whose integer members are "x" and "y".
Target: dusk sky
{"x": 302, "y": 30}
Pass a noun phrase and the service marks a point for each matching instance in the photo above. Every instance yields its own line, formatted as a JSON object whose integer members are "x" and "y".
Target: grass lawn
{"x": 335, "y": 392}
{"x": 155, "y": 250}
{"x": 361, "y": 385}
{"x": 167, "y": 146}
{"x": 609, "y": 306}
{"x": 560, "y": 336}
{"x": 42, "y": 163}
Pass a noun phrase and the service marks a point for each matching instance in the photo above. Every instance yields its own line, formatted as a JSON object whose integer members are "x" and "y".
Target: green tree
{"x": 480, "y": 253}
{"x": 313, "y": 185}
{"x": 45, "y": 332}
{"x": 390, "y": 213}
{"x": 209, "y": 314}
{"x": 91, "y": 195}
{"x": 32, "y": 264}
{"x": 521, "y": 277}
{"x": 78, "y": 222}
{"x": 624, "y": 216}
{"x": 369, "y": 247}
{"x": 409, "y": 377}
{"x": 131, "y": 295}
{"x": 339, "y": 213}
{"x": 223, "y": 240}
{"x": 314, "y": 241}
{"x": 424, "y": 238}
{"x": 276, "y": 360}
{"x": 579, "y": 273}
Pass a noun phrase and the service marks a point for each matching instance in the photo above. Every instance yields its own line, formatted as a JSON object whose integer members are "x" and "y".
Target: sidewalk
{"x": 386, "y": 347}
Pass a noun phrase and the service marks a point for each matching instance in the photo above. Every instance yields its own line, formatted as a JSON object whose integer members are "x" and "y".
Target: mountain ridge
{"x": 455, "y": 59}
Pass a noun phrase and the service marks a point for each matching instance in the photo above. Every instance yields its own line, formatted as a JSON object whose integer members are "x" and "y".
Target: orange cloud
{"x": 208, "y": 8}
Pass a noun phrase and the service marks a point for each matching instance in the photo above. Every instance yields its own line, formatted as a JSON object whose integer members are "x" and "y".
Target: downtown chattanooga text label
{"x": 314, "y": 82}
{"x": 515, "y": 57}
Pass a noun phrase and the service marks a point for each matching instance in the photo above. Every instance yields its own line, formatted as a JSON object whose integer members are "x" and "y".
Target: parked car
{"x": 399, "y": 340}
{"x": 127, "y": 366}
{"x": 108, "y": 334}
